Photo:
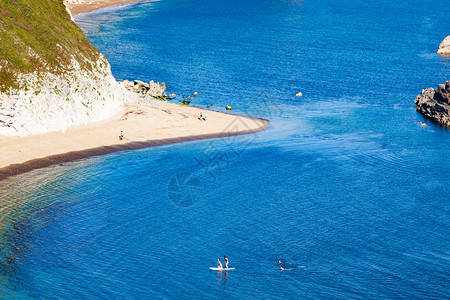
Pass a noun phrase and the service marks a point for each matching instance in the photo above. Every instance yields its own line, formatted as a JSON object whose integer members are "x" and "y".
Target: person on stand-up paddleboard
{"x": 221, "y": 267}
{"x": 226, "y": 261}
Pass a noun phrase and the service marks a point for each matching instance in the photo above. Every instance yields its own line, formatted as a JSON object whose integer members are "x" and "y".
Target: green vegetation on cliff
{"x": 38, "y": 35}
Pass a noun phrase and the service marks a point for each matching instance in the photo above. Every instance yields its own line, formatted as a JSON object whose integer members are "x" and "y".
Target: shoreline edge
{"x": 51, "y": 160}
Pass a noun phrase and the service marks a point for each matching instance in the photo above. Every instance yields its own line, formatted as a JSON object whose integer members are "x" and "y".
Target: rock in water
{"x": 444, "y": 47}
{"x": 299, "y": 94}
{"x": 435, "y": 104}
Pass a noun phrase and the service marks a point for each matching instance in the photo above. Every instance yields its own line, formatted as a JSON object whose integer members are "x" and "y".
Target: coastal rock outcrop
{"x": 444, "y": 47}
{"x": 152, "y": 89}
{"x": 435, "y": 104}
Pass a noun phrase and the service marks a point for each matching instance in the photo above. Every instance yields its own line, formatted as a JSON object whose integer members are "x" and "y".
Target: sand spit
{"x": 143, "y": 125}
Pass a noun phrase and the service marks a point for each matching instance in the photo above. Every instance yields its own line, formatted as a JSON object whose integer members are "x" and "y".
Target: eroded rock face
{"x": 444, "y": 47}
{"x": 435, "y": 104}
{"x": 152, "y": 89}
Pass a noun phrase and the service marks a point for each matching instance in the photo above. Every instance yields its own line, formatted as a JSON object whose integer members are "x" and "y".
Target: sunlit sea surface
{"x": 344, "y": 186}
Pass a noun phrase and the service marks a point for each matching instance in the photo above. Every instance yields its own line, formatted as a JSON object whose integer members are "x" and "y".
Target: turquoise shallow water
{"x": 344, "y": 185}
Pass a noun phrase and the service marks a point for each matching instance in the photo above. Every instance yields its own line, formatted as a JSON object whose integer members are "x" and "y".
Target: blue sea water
{"x": 344, "y": 186}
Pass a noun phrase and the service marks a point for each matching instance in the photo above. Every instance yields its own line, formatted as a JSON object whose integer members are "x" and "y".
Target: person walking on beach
{"x": 226, "y": 261}
{"x": 121, "y": 135}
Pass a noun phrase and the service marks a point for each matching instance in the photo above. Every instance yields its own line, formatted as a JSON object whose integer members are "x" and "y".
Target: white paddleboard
{"x": 223, "y": 269}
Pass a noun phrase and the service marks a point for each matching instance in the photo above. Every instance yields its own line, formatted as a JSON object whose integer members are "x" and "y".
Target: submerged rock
{"x": 435, "y": 104}
{"x": 444, "y": 47}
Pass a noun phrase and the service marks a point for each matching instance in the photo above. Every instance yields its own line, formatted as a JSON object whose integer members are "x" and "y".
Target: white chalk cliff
{"x": 71, "y": 84}
{"x": 51, "y": 102}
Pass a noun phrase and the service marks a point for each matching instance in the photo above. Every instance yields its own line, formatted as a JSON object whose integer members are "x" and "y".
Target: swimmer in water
{"x": 279, "y": 261}
{"x": 226, "y": 261}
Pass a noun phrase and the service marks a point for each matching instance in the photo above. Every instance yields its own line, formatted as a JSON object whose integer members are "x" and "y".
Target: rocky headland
{"x": 444, "y": 47}
{"x": 435, "y": 104}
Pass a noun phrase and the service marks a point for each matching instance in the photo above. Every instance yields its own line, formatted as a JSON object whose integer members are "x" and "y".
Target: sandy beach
{"x": 82, "y": 6}
{"x": 148, "y": 123}
{"x": 143, "y": 124}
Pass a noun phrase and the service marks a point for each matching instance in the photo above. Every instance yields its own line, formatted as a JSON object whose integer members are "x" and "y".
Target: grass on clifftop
{"x": 38, "y": 35}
